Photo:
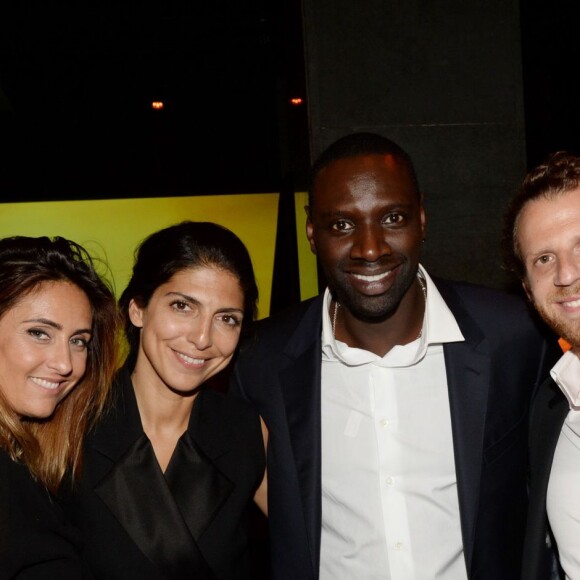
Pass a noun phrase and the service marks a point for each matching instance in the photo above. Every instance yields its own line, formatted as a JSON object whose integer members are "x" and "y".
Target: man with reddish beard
{"x": 543, "y": 234}
{"x": 396, "y": 402}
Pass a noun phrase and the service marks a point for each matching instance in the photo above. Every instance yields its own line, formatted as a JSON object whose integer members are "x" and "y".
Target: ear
{"x": 527, "y": 289}
{"x": 423, "y": 218}
{"x": 310, "y": 230}
{"x": 135, "y": 314}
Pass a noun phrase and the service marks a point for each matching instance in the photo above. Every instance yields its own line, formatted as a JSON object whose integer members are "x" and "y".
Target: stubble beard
{"x": 568, "y": 329}
{"x": 373, "y": 309}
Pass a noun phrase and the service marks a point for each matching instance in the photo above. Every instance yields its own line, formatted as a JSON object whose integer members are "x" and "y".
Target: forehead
{"x": 548, "y": 219}
{"x": 59, "y": 300}
{"x": 377, "y": 175}
{"x": 200, "y": 281}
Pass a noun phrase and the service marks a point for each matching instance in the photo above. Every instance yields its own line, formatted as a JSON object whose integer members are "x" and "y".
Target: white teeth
{"x": 189, "y": 360}
{"x": 44, "y": 383}
{"x": 572, "y": 303}
{"x": 374, "y": 278}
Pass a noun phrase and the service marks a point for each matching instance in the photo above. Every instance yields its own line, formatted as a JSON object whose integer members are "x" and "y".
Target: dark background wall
{"x": 477, "y": 91}
{"x": 444, "y": 80}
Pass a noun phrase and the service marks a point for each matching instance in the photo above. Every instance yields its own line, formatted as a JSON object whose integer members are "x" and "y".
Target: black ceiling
{"x": 79, "y": 81}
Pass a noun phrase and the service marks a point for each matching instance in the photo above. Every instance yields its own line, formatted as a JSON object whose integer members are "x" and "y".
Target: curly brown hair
{"x": 559, "y": 174}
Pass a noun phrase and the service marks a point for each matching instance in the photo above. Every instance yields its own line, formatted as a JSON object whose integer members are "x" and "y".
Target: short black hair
{"x": 558, "y": 174}
{"x": 355, "y": 145}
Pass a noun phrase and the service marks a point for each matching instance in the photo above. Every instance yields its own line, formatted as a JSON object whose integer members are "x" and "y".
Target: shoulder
{"x": 222, "y": 421}
{"x": 270, "y": 335}
{"x": 226, "y": 407}
{"x": 14, "y": 477}
{"x": 286, "y": 322}
{"x": 478, "y": 296}
{"x": 496, "y": 312}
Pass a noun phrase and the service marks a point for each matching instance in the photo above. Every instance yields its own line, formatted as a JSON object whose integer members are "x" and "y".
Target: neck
{"x": 160, "y": 408}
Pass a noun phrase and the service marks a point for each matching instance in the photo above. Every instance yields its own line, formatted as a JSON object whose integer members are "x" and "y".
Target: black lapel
{"x": 549, "y": 410}
{"x": 197, "y": 485}
{"x": 300, "y": 381}
{"x": 468, "y": 374}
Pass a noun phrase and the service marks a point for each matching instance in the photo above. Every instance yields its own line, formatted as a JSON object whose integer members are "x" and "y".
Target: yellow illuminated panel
{"x": 111, "y": 229}
{"x": 306, "y": 259}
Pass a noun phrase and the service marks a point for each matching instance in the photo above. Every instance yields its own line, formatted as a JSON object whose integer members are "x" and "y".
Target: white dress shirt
{"x": 389, "y": 490}
{"x": 563, "y": 497}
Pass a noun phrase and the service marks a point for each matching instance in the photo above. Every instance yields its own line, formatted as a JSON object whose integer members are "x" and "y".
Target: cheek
{"x": 160, "y": 328}
{"x": 226, "y": 342}
{"x": 538, "y": 288}
{"x": 80, "y": 362}
{"x": 15, "y": 357}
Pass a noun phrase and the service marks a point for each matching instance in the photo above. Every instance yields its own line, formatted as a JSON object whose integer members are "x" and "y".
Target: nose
{"x": 370, "y": 244}
{"x": 568, "y": 270}
{"x": 200, "y": 332}
{"x": 61, "y": 358}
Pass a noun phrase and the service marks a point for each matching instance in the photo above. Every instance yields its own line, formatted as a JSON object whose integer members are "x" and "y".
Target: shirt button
{"x": 385, "y": 423}
{"x": 399, "y": 546}
{"x": 389, "y": 480}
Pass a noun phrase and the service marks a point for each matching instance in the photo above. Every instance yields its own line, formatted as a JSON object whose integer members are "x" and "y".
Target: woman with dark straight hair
{"x": 172, "y": 473}
{"x": 57, "y": 357}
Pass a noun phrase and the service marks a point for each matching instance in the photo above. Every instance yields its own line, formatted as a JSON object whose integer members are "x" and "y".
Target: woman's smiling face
{"x": 43, "y": 348}
{"x": 189, "y": 329}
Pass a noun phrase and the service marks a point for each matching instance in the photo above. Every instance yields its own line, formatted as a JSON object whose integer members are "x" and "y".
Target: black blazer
{"x": 192, "y": 521}
{"x": 490, "y": 379}
{"x": 549, "y": 410}
{"x": 36, "y": 542}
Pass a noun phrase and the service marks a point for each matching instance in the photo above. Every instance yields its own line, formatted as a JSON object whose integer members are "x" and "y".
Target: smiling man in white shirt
{"x": 396, "y": 402}
{"x": 543, "y": 231}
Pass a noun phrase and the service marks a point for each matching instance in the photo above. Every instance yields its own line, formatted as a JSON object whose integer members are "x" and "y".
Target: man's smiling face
{"x": 548, "y": 238}
{"x": 366, "y": 225}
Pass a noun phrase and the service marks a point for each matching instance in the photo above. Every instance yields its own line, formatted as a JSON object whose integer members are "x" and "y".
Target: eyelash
{"x": 392, "y": 219}
{"x": 38, "y": 333}
{"x": 180, "y": 306}
{"x": 43, "y": 336}
{"x": 82, "y": 342}
{"x": 235, "y": 321}
{"x": 228, "y": 319}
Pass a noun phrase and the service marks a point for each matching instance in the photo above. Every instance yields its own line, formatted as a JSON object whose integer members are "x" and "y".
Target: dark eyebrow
{"x": 193, "y": 300}
{"x": 238, "y": 310}
{"x": 57, "y": 326}
{"x": 184, "y": 296}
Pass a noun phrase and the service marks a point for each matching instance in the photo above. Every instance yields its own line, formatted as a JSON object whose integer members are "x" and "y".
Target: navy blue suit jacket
{"x": 490, "y": 379}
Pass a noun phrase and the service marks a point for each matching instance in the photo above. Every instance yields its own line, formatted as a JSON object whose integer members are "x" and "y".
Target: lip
{"x": 189, "y": 361}
{"x": 372, "y": 282}
{"x": 570, "y": 304}
{"x": 47, "y": 384}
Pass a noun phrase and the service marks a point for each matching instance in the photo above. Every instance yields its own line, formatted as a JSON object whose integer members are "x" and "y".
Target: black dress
{"x": 36, "y": 542}
{"x": 191, "y": 521}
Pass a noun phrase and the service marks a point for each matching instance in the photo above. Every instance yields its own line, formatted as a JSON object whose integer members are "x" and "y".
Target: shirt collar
{"x": 566, "y": 374}
{"x": 439, "y": 327}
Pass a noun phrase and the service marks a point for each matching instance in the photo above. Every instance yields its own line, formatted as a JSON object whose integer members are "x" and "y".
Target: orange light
{"x": 157, "y": 105}
{"x": 296, "y": 101}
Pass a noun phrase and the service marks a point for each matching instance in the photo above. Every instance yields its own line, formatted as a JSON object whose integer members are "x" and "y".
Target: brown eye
{"x": 342, "y": 226}
{"x": 394, "y": 219}
{"x": 231, "y": 320}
